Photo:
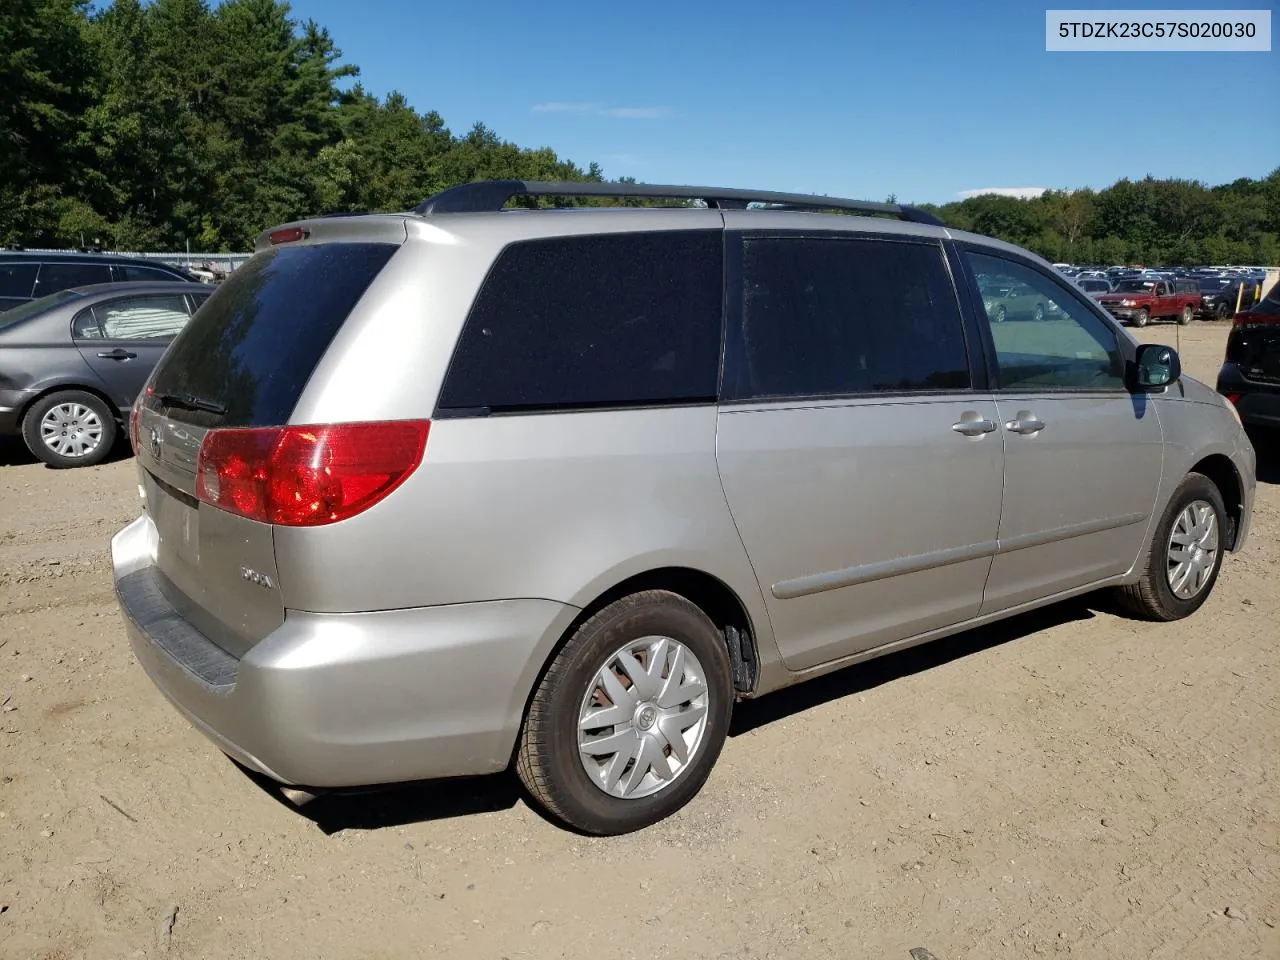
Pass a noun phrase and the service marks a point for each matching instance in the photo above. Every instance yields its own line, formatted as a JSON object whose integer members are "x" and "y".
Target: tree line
{"x": 151, "y": 126}
{"x": 1148, "y": 221}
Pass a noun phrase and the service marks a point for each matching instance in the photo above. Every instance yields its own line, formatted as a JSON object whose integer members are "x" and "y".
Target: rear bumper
{"x": 1257, "y": 403}
{"x": 336, "y": 700}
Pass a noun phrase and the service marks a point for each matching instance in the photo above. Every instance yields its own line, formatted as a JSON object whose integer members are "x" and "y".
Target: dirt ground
{"x": 1069, "y": 782}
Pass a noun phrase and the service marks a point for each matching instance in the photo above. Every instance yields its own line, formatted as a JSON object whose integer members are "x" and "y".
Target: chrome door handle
{"x": 1026, "y": 423}
{"x": 973, "y": 428}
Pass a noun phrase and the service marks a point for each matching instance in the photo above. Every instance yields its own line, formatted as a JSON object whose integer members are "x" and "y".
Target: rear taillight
{"x": 309, "y": 475}
{"x": 133, "y": 419}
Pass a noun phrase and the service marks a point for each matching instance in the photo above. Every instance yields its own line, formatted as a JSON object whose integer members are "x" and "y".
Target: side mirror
{"x": 1156, "y": 366}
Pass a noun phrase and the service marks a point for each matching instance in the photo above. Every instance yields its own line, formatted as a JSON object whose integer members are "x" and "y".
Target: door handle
{"x": 1026, "y": 423}
{"x": 117, "y": 354}
{"x": 971, "y": 425}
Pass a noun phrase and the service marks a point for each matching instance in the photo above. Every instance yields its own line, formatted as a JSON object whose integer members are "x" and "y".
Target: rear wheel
{"x": 1185, "y": 317}
{"x": 628, "y": 720}
{"x": 1185, "y": 554}
{"x": 70, "y": 428}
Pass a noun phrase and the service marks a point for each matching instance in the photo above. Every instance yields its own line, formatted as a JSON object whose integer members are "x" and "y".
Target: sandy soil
{"x": 1070, "y": 782}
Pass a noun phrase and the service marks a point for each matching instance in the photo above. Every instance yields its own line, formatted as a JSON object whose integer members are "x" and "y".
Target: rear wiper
{"x": 190, "y": 402}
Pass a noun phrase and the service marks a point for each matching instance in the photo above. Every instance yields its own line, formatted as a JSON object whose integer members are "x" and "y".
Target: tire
{"x": 1153, "y": 596}
{"x": 74, "y": 410}
{"x": 1221, "y": 313}
{"x": 1039, "y": 313}
{"x": 1185, "y": 316}
{"x": 552, "y": 766}
{"x": 1000, "y": 314}
{"x": 1141, "y": 318}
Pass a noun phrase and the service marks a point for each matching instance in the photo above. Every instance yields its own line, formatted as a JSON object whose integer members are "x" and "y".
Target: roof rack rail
{"x": 490, "y": 196}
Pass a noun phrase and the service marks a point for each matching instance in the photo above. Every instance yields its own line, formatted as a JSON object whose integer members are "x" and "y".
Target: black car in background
{"x": 72, "y": 363}
{"x": 25, "y": 275}
{"x": 1250, "y": 375}
{"x": 1220, "y": 295}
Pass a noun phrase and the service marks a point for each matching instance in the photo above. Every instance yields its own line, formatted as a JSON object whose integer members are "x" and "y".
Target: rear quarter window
{"x": 254, "y": 344}
{"x": 593, "y": 321}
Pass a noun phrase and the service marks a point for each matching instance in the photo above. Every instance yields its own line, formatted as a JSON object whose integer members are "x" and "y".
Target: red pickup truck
{"x": 1139, "y": 301}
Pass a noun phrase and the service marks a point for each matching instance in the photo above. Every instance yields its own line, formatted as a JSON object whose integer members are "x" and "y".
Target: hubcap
{"x": 1193, "y": 549}
{"x": 643, "y": 718}
{"x": 71, "y": 430}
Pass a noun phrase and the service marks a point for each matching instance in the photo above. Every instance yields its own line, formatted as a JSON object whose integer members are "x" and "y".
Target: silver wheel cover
{"x": 643, "y": 718}
{"x": 1192, "y": 550}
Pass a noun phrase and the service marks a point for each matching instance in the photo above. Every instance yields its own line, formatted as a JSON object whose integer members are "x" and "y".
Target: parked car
{"x": 432, "y": 493}
{"x": 26, "y": 276}
{"x": 1250, "y": 374}
{"x": 1140, "y": 301}
{"x": 1005, "y": 298}
{"x": 1220, "y": 298}
{"x": 1094, "y": 286}
{"x": 72, "y": 363}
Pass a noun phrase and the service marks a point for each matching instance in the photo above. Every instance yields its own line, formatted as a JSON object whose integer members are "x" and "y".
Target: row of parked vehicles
{"x": 661, "y": 461}
{"x": 1139, "y": 296}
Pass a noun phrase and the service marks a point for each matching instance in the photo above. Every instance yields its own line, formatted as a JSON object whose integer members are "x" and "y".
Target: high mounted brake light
{"x": 288, "y": 235}
{"x": 306, "y": 476}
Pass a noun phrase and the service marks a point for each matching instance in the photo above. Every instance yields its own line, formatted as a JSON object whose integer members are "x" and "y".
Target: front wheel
{"x": 1000, "y": 315}
{"x": 1185, "y": 554}
{"x": 1141, "y": 318}
{"x": 628, "y": 720}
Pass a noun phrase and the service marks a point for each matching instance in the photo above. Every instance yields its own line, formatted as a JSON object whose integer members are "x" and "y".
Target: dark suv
{"x": 1250, "y": 374}
{"x": 28, "y": 276}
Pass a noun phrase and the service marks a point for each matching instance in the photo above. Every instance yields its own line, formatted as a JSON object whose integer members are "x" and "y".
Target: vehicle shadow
{"x": 397, "y": 805}
{"x": 14, "y": 453}
{"x": 752, "y": 714}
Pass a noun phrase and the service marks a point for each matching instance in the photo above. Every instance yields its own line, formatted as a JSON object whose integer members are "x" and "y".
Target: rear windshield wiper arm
{"x": 190, "y": 402}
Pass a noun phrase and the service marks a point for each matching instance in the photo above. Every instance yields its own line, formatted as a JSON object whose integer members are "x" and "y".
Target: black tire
{"x": 1221, "y": 313}
{"x": 1185, "y": 316}
{"x": 1152, "y": 597}
{"x": 1000, "y": 314}
{"x": 548, "y": 761}
{"x": 31, "y": 429}
{"x": 1141, "y": 318}
{"x": 1039, "y": 313}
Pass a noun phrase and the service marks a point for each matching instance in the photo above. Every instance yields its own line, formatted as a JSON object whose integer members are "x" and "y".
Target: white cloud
{"x": 1022, "y": 193}
{"x": 601, "y": 110}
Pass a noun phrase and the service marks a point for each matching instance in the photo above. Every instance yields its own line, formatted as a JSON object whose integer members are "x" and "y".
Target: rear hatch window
{"x": 246, "y": 356}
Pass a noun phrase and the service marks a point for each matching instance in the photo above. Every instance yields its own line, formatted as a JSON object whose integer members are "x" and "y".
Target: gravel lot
{"x": 1069, "y": 782}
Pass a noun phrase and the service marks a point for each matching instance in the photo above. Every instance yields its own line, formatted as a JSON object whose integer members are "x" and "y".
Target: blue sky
{"x": 923, "y": 100}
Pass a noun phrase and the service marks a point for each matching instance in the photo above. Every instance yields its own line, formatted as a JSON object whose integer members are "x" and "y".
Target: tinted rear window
{"x": 590, "y": 321}
{"x": 255, "y": 342}
{"x": 17, "y": 279}
{"x": 62, "y": 276}
{"x": 839, "y": 316}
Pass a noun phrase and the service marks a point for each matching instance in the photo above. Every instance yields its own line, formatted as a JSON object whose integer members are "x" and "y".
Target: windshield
{"x": 33, "y": 308}
{"x": 1133, "y": 286}
{"x": 1213, "y": 284}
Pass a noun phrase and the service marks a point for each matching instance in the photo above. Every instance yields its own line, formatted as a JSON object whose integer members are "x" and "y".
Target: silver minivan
{"x": 438, "y": 493}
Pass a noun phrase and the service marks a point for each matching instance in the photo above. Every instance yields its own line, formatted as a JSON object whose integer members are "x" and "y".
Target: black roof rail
{"x": 490, "y": 196}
